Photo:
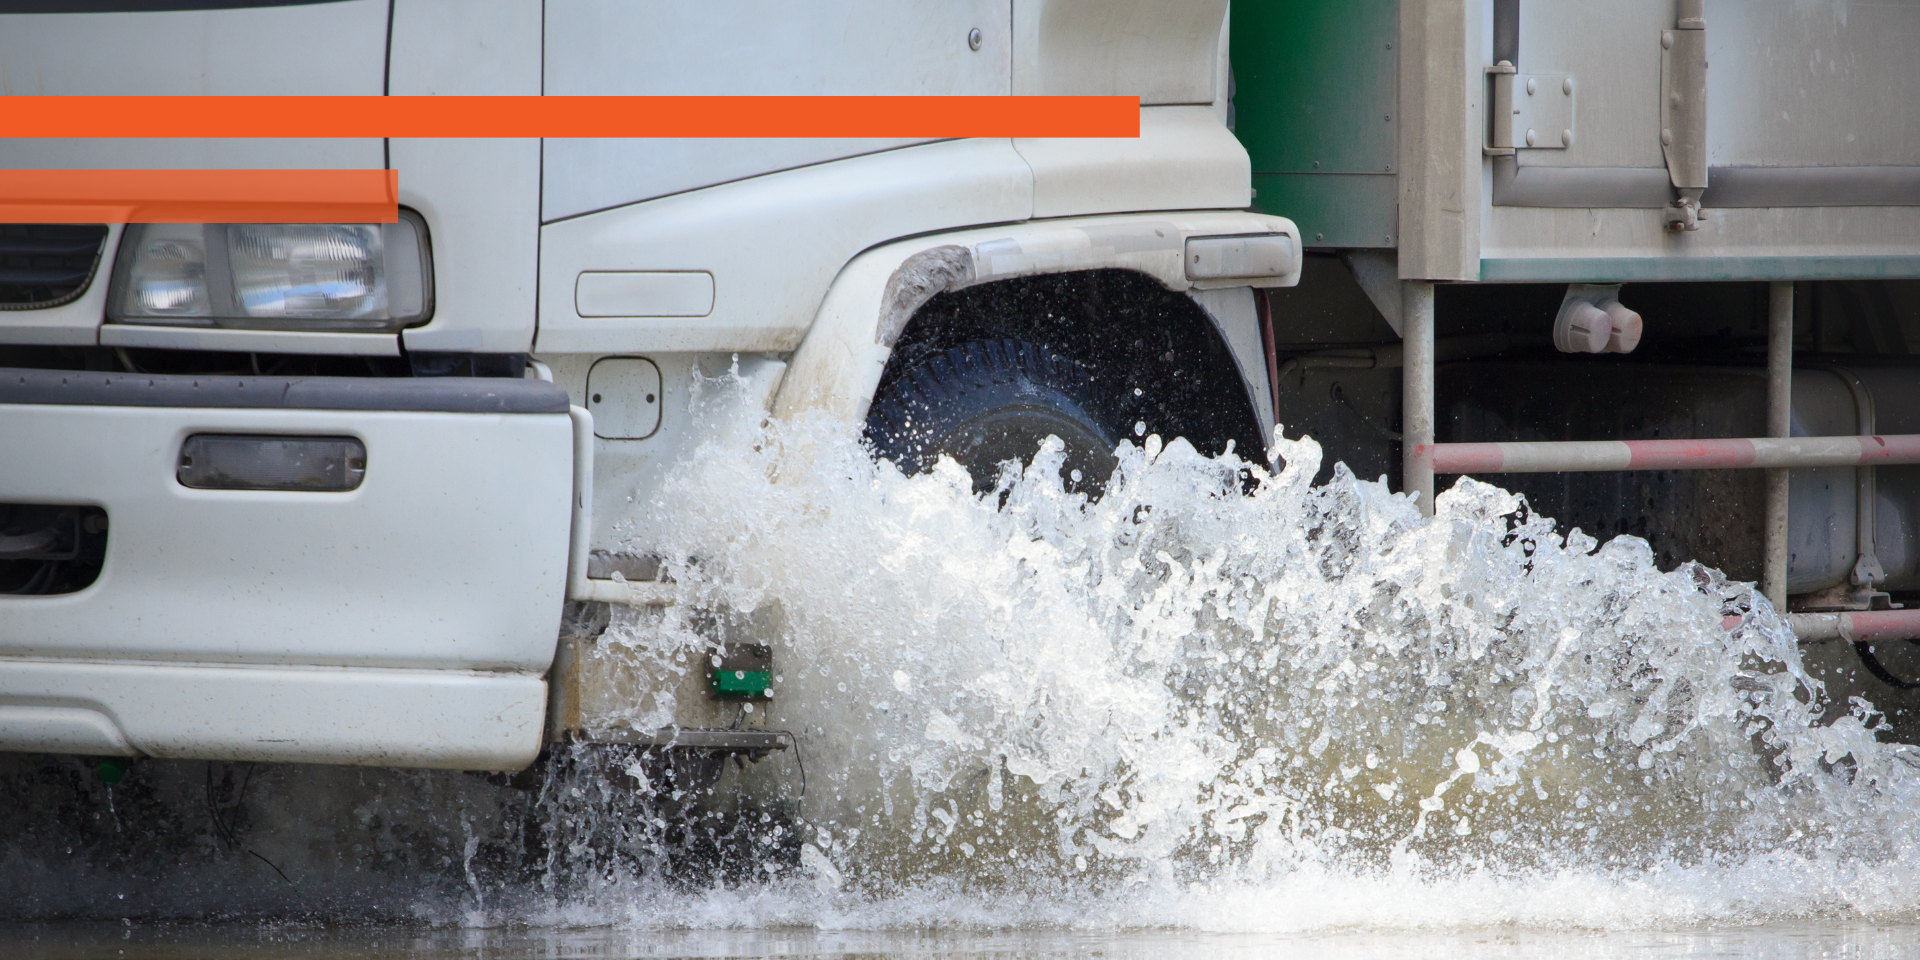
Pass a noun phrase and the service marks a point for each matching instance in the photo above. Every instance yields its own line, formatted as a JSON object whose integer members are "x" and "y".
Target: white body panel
{"x": 407, "y": 622}
{"x": 210, "y": 52}
{"x": 452, "y": 553}
{"x": 627, "y": 471}
{"x": 839, "y": 363}
{"x": 259, "y": 51}
{"x": 749, "y": 48}
{"x": 330, "y": 48}
{"x": 772, "y": 243}
{"x": 1162, "y": 53}
{"x": 480, "y": 197}
{"x": 1184, "y": 159}
{"x": 481, "y": 201}
{"x": 393, "y": 718}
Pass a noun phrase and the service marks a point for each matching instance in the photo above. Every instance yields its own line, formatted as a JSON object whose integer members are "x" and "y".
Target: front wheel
{"x": 992, "y": 401}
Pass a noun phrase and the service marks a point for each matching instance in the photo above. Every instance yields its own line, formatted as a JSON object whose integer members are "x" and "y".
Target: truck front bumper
{"x": 407, "y": 622}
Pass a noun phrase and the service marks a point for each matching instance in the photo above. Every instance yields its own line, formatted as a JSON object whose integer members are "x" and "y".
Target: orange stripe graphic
{"x": 905, "y": 117}
{"x": 199, "y": 196}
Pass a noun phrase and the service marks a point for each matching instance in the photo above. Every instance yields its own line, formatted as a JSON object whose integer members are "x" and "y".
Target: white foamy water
{"x": 1187, "y": 710}
{"x": 1299, "y": 708}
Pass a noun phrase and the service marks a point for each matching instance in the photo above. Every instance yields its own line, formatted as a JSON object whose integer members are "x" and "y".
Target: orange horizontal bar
{"x": 906, "y": 117}
{"x": 199, "y": 196}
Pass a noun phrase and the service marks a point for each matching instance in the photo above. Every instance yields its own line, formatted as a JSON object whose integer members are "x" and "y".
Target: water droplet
{"x": 1468, "y": 760}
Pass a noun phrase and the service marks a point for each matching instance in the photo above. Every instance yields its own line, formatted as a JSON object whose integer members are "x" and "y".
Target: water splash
{"x": 1187, "y": 683}
{"x": 1220, "y": 698}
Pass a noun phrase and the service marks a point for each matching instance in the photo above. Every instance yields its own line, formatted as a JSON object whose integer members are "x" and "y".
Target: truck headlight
{"x": 274, "y": 276}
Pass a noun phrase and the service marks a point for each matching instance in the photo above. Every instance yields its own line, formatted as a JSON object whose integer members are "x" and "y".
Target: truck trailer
{"x": 1649, "y": 264}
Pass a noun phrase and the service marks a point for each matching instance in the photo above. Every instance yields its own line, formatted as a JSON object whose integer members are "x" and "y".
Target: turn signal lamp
{"x": 279, "y": 276}
{"x": 217, "y": 461}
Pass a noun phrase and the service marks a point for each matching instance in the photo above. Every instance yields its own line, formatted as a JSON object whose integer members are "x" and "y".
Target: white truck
{"x": 320, "y": 492}
{"x": 264, "y": 504}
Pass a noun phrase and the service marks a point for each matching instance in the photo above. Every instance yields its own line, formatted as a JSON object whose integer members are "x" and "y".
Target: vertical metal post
{"x": 1265, "y": 310}
{"x": 1416, "y": 391}
{"x": 1773, "y": 576}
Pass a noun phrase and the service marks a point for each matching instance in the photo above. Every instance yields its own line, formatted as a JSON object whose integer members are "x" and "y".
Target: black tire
{"x": 991, "y": 401}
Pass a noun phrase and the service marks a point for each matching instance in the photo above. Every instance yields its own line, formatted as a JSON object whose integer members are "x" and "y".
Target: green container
{"x": 1316, "y": 87}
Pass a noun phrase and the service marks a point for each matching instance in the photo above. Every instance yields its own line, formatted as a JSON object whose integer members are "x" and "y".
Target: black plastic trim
{"x": 424, "y": 394}
{"x": 47, "y": 246}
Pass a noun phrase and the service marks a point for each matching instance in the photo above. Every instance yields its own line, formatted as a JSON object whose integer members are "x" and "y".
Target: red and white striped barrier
{"x": 1861, "y": 626}
{"x": 1864, "y": 626}
{"x": 1581, "y": 456}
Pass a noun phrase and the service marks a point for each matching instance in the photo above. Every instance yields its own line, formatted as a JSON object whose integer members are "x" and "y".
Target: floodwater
{"x": 284, "y": 942}
{"x": 1185, "y": 720}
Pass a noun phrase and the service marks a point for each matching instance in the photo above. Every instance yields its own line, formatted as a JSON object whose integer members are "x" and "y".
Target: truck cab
{"x": 324, "y": 492}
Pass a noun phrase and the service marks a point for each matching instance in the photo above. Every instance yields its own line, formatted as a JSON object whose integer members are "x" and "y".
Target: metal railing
{"x": 1776, "y": 453}
{"x": 1577, "y": 456}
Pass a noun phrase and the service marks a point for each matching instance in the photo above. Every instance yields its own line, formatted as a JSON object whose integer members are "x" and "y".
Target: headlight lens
{"x": 169, "y": 277}
{"x": 311, "y": 271}
{"x": 279, "y": 276}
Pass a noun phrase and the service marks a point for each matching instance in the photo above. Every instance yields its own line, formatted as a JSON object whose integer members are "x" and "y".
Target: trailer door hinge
{"x": 1499, "y": 110}
{"x": 1529, "y": 111}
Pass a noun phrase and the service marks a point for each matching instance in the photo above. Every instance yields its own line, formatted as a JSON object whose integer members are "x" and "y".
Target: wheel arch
{"x": 896, "y": 295}
{"x": 1166, "y": 359}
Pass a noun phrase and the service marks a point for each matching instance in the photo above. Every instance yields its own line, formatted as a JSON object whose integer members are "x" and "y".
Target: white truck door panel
{"x": 1788, "y": 84}
{"x": 771, "y": 244}
{"x": 1611, "y": 54}
{"x": 750, "y": 47}
{"x": 1811, "y": 144}
{"x": 1813, "y": 85}
{"x": 310, "y": 49}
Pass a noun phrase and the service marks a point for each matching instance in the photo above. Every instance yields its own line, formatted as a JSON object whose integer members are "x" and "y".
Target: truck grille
{"x": 47, "y": 264}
